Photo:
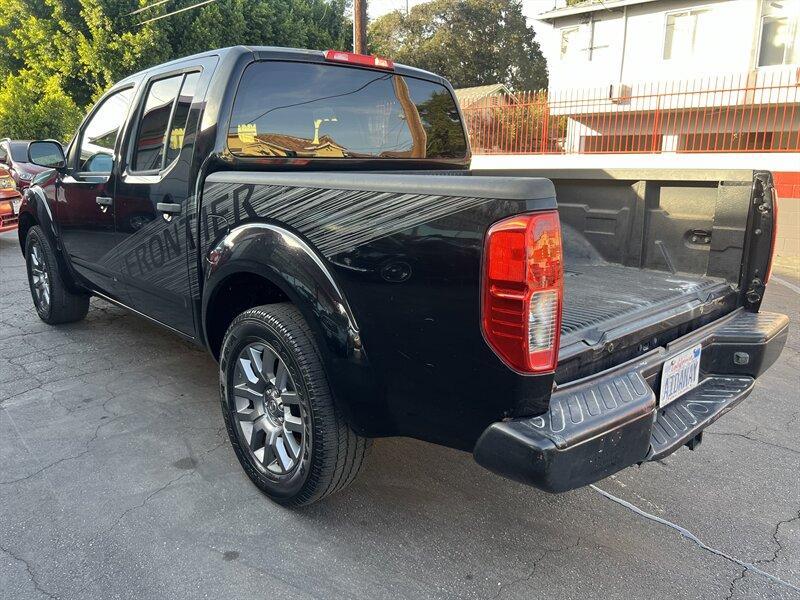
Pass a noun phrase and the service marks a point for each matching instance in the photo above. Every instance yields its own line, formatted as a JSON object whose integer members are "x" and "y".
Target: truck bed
{"x": 601, "y": 296}
{"x": 649, "y": 255}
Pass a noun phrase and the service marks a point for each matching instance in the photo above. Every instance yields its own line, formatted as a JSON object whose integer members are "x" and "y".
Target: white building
{"x": 671, "y": 84}
{"x": 678, "y": 76}
{"x": 598, "y": 43}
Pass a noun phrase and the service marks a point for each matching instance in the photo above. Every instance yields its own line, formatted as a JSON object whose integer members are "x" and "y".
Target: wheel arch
{"x": 36, "y": 211}
{"x": 26, "y": 221}
{"x": 263, "y": 263}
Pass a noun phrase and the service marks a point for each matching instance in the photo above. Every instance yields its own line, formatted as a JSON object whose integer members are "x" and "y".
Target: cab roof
{"x": 279, "y": 53}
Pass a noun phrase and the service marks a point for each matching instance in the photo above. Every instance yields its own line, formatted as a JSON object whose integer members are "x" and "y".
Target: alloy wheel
{"x": 40, "y": 278}
{"x": 271, "y": 420}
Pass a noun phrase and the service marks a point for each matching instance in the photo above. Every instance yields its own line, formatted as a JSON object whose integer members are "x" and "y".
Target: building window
{"x": 682, "y": 33}
{"x": 779, "y": 41}
{"x": 570, "y": 42}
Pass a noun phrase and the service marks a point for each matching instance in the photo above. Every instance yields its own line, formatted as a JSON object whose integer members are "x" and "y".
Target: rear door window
{"x": 177, "y": 131}
{"x": 159, "y": 137}
{"x": 303, "y": 110}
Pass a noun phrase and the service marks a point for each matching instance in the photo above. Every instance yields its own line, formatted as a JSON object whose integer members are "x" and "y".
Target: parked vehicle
{"x": 10, "y": 201}
{"x": 14, "y": 156}
{"x": 311, "y": 219}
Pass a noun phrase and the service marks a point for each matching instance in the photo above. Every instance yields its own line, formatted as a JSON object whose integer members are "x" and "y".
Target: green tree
{"x": 32, "y": 108}
{"x": 471, "y": 42}
{"x": 319, "y": 24}
{"x": 65, "y": 53}
{"x": 89, "y": 44}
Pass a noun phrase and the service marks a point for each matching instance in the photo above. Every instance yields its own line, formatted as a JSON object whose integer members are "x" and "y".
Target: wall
{"x": 727, "y": 44}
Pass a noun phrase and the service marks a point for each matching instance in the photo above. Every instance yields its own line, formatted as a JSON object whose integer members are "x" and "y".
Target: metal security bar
{"x": 758, "y": 111}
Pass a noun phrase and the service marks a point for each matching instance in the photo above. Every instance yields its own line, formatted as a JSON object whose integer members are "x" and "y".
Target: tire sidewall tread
{"x": 336, "y": 452}
{"x": 65, "y": 306}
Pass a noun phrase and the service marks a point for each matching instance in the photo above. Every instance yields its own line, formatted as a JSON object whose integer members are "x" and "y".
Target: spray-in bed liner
{"x": 603, "y": 295}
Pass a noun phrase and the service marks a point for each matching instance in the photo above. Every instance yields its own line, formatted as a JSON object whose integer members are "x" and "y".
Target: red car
{"x": 10, "y": 200}
{"x": 14, "y": 157}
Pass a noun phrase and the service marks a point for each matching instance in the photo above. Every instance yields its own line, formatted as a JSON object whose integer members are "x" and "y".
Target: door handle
{"x": 169, "y": 208}
{"x": 104, "y": 201}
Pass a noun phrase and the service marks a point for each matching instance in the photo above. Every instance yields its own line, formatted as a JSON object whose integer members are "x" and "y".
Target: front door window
{"x": 96, "y": 149}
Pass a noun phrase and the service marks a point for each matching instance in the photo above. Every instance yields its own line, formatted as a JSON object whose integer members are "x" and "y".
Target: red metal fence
{"x": 757, "y": 111}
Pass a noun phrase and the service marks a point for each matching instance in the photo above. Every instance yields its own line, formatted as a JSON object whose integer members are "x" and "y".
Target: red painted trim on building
{"x": 787, "y": 184}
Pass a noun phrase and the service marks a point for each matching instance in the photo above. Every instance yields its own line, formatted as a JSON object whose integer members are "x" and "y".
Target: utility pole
{"x": 360, "y": 26}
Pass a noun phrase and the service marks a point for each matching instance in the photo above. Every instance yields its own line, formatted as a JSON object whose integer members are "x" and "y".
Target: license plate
{"x": 680, "y": 374}
{"x": 15, "y": 204}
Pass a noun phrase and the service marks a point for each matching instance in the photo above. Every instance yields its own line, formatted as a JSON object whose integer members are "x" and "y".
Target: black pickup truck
{"x": 311, "y": 218}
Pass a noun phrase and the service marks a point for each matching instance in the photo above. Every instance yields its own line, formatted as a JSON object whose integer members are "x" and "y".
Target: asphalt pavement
{"x": 117, "y": 481}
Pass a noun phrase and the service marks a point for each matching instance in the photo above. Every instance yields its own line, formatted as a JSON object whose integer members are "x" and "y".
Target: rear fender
{"x": 287, "y": 261}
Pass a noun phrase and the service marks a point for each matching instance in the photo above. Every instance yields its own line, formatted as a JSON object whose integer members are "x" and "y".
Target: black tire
{"x": 59, "y": 305}
{"x": 332, "y": 453}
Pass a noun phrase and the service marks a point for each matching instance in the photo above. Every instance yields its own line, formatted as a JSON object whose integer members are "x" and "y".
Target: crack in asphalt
{"x": 776, "y": 540}
{"x": 31, "y": 573}
{"x": 692, "y": 537}
{"x": 85, "y": 451}
{"x": 746, "y": 436}
{"x": 147, "y": 499}
{"x": 734, "y": 581}
{"x": 152, "y": 495}
{"x": 536, "y": 561}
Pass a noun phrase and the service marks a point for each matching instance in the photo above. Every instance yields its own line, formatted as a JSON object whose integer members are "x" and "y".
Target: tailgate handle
{"x": 169, "y": 208}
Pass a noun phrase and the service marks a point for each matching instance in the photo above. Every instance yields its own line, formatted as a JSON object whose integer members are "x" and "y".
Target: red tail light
{"x": 522, "y": 291}
{"x": 364, "y": 60}
{"x": 774, "y": 234}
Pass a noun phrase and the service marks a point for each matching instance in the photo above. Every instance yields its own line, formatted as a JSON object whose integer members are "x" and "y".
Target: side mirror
{"x": 47, "y": 153}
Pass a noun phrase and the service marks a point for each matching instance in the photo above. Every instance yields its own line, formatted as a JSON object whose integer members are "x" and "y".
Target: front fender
{"x": 287, "y": 261}
{"x": 38, "y": 208}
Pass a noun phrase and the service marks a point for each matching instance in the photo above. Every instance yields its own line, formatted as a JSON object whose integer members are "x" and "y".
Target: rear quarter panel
{"x": 405, "y": 251}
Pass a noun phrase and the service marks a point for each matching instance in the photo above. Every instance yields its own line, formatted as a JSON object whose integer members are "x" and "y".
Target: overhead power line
{"x": 148, "y": 7}
{"x": 175, "y": 12}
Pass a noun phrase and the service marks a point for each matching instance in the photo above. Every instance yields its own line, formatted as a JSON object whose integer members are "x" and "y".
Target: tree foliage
{"x": 58, "y": 56}
{"x": 31, "y": 108}
{"x": 471, "y": 42}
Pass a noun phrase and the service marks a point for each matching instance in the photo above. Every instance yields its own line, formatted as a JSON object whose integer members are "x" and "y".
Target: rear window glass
{"x": 305, "y": 110}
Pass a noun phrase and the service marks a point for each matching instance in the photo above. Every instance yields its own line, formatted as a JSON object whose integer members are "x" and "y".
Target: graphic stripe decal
{"x": 339, "y": 220}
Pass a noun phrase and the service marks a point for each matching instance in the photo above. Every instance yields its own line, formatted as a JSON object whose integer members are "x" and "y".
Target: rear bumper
{"x": 602, "y": 424}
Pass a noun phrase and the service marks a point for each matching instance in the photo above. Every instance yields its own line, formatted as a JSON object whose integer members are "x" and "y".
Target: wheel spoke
{"x": 281, "y": 376}
{"x": 292, "y": 446}
{"x": 270, "y": 443}
{"x": 289, "y": 398}
{"x": 250, "y": 415}
{"x": 283, "y": 456}
{"x": 246, "y": 369}
{"x": 292, "y": 423}
{"x": 258, "y": 438}
{"x": 270, "y": 362}
{"x": 243, "y": 390}
{"x": 254, "y": 354}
